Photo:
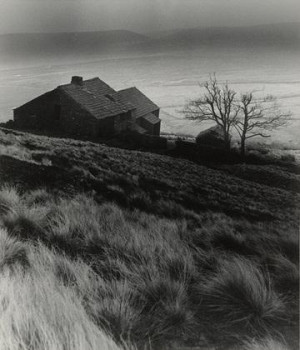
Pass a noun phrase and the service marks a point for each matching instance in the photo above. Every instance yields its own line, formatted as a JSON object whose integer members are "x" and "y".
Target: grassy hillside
{"x": 128, "y": 249}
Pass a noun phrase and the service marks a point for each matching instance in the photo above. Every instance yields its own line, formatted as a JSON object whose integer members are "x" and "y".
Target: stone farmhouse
{"x": 90, "y": 108}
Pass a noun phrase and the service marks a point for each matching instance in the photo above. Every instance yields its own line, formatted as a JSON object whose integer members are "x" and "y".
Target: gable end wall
{"x": 76, "y": 120}
{"x": 38, "y": 113}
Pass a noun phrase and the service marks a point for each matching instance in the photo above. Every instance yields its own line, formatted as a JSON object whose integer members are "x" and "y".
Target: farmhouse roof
{"x": 95, "y": 96}
{"x": 215, "y": 131}
{"x": 151, "y": 118}
{"x": 102, "y": 101}
{"x": 142, "y": 103}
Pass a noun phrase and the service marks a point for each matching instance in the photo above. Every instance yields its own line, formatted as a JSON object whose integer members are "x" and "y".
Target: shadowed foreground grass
{"x": 76, "y": 273}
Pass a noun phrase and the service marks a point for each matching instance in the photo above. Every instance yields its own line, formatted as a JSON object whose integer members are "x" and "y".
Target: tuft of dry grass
{"x": 265, "y": 344}
{"x": 9, "y": 199}
{"x": 12, "y": 252}
{"x": 39, "y": 313}
{"x": 238, "y": 301}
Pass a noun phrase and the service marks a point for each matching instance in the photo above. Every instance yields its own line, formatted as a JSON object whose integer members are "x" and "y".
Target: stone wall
{"x": 75, "y": 120}
{"x": 55, "y": 110}
{"x": 149, "y": 141}
{"x": 123, "y": 122}
{"x": 38, "y": 113}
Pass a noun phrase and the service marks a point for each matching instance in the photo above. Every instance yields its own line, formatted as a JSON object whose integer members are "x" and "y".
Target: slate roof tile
{"x": 142, "y": 103}
{"x": 151, "y": 118}
{"x": 94, "y": 96}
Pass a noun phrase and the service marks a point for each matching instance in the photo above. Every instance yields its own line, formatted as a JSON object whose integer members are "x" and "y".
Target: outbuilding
{"x": 213, "y": 137}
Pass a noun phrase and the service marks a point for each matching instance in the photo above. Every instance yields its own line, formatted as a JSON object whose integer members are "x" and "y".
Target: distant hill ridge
{"x": 270, "y": 34}
{"x": 66, "y": 43}
{"x": 77, "y": 36}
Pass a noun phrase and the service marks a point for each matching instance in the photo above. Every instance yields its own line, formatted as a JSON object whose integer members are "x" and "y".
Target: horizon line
{"x": 154, "y": 31}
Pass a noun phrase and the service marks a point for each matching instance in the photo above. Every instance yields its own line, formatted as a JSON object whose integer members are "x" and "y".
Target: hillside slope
{"x": 66, "y": 44}
{"x": 155, "y": 251}
{"x": 124, "y": 176}
{"x": 271, "y": 35}
{"x": 22, "y": 46}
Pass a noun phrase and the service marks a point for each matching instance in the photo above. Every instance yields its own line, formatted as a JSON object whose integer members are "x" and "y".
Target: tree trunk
{"x": 243, "y": 146}
{"x": 227, "y": 142}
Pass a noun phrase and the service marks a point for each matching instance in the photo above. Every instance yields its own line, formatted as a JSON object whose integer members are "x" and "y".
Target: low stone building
{"x": 89, "y": 108}
{"x": 213, "y": 137}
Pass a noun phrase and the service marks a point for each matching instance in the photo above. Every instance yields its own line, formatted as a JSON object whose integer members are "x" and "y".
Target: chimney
{"x": 77, "y": 80}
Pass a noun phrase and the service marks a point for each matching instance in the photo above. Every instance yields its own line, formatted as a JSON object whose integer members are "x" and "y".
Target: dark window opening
{"x": 125, "y": 116}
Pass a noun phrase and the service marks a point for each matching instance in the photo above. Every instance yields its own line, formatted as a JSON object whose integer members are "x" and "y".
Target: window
{"x": 125, "y": 116}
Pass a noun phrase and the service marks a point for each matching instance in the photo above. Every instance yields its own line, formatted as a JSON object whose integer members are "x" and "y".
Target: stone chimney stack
{"x": 77, "y": 80}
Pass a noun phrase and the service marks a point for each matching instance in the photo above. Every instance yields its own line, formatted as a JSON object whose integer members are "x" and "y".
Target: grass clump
{"x": 9, "y": 199}
{"x": 152, "y": 280}
{"x": 12, "y": 252}
{"x": 239, "y": 301}
{"x": 39, "y": 313}
{"x": 265, "y": 344}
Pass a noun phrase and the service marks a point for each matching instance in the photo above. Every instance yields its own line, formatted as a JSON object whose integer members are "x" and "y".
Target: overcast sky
{"x": 140, "y": 15}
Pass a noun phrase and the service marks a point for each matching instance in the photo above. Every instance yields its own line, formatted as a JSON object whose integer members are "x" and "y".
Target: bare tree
{"x": 258, "y": 118}
{"x": 217, "y": 104}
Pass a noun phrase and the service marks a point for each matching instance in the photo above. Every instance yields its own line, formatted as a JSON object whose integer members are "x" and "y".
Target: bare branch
{"x": 257, "y": 134}
{"x": 258, "y": 117}
{"x": 218, "y": 104}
